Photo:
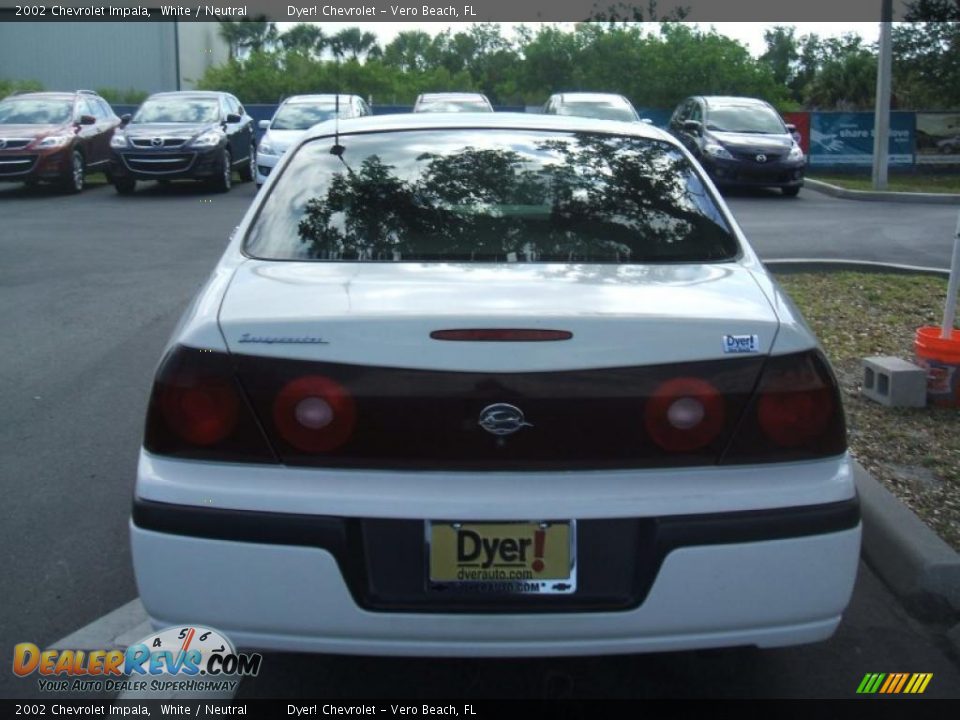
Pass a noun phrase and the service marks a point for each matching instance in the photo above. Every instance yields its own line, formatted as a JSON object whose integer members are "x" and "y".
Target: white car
{"x": 295, "y": 115}
{"x": 451, "y": 102}
{"x": 508, "y": 387}
{"x": 603, "y": 106}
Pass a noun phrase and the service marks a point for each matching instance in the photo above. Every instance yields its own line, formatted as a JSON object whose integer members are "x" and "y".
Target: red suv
{"x": 56, "y": 137}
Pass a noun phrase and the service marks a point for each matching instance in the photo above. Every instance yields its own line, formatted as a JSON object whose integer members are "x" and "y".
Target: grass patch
{"x": 939, "y": 183}
{"x": 914, "y": 452}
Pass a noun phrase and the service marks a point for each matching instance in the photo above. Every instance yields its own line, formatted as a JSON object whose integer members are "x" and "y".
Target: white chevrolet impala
{"x": 487, "y": 385}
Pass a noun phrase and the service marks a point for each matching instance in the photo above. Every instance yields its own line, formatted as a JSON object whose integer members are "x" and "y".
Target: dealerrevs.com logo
{"x": 179, "y": 659}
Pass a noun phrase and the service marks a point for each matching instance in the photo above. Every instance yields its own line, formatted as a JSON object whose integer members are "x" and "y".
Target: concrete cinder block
{"x": 894, "y": 382}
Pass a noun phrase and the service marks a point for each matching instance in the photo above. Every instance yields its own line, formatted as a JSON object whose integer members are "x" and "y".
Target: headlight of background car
{"x": 53, "y": 141}
{"x": 267, "y": 149}
{"x": 210, "y": 138}
{"x": 717, "y": 151}
{"x": 118, "y": 141}
{"x": 795, "y": 153}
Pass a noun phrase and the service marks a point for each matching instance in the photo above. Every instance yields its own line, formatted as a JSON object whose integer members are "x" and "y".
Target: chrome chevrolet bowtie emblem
{"x": 761, "y": 158}
{"x": 502, "y": 419}
{"x": 157, "y": 142}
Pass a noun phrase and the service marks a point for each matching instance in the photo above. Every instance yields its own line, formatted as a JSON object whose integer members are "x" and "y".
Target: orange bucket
{"x": 941, "y": 359}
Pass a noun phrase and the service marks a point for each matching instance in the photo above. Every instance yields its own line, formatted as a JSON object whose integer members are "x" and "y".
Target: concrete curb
{"x": 890, "y": 196}
{"x": 803, "y": 265}
{"x": 915, "y": 563}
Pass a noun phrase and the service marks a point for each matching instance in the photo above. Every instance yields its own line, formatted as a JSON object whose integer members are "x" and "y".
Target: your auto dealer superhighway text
{"x": 425, "y": 709}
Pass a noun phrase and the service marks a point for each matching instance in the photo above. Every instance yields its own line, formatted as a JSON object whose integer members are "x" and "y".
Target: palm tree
{"x": 304, "y": 38}
{"x": 253, "y": 34}
{"x": 352, "y": 40}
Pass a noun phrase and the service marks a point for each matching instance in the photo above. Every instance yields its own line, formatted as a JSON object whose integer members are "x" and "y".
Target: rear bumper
{"x": 292, "y": 578}
{"x": 294, "y": 598}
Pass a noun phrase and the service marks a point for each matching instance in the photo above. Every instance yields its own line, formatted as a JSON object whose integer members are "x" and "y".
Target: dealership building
{"x": 146, "y": 56}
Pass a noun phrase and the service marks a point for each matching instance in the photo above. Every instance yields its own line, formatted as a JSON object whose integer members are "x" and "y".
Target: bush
{"x": 8, "y": 87}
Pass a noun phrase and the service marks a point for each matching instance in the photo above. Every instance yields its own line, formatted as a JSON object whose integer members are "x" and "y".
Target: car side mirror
{"x": 125, "y": 119}
{"x": 87, "y": 120}
{"x": 233, "y": 119}
{"x": 264, "y": 124}
{"x": 692, "y": 126}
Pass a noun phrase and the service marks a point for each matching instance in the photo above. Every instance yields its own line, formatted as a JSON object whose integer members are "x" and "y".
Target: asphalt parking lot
{"x": 92, "y": 286}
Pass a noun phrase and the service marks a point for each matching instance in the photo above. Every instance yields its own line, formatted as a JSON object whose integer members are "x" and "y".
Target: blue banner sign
{"x": 847, "y": 138}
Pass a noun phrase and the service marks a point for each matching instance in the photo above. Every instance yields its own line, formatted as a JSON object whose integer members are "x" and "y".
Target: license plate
{"x": 492, "y": 558}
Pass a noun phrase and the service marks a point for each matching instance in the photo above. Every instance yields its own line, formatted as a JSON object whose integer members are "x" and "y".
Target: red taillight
{"x": 684, "y": 414}
{"x": 314, "y": 414}
{"x": 501, "y": 335}
{"x": 795, "y": 413}
{"x": 791, "y": 415}
{"x": 201, "y": 410}
{"x": 197, "y": 410}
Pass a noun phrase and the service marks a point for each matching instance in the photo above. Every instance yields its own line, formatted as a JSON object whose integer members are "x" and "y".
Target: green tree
{"x": 304, "y": 38}
{"x": 926, "y": 56}
{"x": 846, "y": 78}
{"x": 248, "y": 34}
{"x": 782, "y": 53}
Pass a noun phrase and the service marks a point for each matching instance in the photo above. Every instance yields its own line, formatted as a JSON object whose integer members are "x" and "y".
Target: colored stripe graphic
{"x": 894, "y": 683}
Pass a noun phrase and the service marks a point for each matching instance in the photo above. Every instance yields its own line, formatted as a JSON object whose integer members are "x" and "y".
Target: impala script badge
{"x": 502, "y": 419}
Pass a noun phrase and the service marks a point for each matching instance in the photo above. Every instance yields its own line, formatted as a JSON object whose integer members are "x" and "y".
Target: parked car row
{"x": 205, "y": 135}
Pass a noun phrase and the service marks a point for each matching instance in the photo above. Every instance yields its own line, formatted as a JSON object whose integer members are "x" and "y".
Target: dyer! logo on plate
{"x": 507, "y": 557}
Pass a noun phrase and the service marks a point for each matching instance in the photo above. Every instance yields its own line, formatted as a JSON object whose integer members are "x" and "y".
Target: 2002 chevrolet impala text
{"x": 494, "y": 385}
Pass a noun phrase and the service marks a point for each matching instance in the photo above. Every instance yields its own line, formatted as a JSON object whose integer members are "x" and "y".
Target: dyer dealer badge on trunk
{"x": 513, "y": 557}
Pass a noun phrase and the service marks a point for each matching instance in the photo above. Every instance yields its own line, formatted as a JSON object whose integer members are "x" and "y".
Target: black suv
{"x": 195, "y": 135}
{"x": 55, "y": 137}
{"x": 740, "y": 141}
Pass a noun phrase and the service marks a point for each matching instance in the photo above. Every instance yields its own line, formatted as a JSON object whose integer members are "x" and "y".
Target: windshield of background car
{"x": 469, "y": 195}
{"x": 599, "y": 110}
{"x": 444, "y": 106}
{"x": 745, "y": 119}
{"x": 29, "y": 111}
{"x": 300, "y": 116}
{"x": 178, "y": 110}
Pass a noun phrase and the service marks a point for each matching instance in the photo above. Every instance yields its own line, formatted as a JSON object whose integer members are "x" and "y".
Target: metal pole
{"x": 950, "y": 309}
{"x": 881, "y": 123}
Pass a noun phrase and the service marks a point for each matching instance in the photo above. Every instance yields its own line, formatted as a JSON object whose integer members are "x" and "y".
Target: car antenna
{"x": 337, "y": 148}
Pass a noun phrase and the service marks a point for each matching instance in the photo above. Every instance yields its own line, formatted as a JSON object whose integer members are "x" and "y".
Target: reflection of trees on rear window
{"x": 490, "y": 196}
{"x": 35, "y": 112}
{"x": 301, "y": 117}
{"x": 178, "y": 111}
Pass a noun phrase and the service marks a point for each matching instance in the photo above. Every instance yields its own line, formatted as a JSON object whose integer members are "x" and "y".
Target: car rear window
{"x": 482, "y": 195}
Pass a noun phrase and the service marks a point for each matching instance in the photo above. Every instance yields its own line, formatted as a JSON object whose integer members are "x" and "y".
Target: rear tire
{"x": 125, "y": 185}
{"x": 249, "y": 171}
{"x": 790, "y": 191}
{"x": 224, "y": 181}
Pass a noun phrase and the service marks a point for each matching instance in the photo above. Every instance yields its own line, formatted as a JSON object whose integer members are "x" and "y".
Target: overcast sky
{"x": 750, "y": 34}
